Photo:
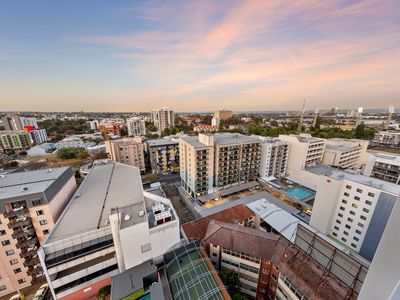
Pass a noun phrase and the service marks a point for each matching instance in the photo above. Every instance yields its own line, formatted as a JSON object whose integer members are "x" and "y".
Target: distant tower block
{"x": 300, "y": 125}
{"x": 389, "y": 119}
{"x": 359, "y": 116}
{"x": 316, "y": 115}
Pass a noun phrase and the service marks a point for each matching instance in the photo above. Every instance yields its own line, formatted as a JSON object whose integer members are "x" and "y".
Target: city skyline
{"x": 200, "y": 56}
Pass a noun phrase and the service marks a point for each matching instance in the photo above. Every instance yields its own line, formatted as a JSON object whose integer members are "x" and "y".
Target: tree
{"x": 71, "y": 153}
{"x": 231, "y": 279}
{"x": 166, "y": 132}
{"x": 359, "y": 133}
{"x": 104, "y": 292}
{"x": 151, "y": 128}
{"x": 100, "y": 155}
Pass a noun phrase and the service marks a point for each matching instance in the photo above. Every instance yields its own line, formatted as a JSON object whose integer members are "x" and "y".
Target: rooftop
{"x": 161, "y": 142}
{"x": 31, "y": 182}
{"x": 222, "y": 139}
{"x": 108, "y": 185}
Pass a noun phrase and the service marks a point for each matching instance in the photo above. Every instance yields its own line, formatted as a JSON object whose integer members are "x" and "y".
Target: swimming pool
{"x": 300, "y": 193}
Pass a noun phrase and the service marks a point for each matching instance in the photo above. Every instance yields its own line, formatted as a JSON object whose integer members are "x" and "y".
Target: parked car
{"x": 41, "y": 292}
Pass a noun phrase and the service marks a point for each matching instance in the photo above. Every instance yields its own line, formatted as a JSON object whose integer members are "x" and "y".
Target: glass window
{"x": 359, "y": 190}
{"x": 21, "y": 281}
{"x": 18, "y": 270}
{"x": 43, "y": 222}
{"x": 40, "y": 212}
{"x": 13, "y": 261}
{"x": 5, "y": 243}
{"x": 368, "y": 202}
{"x": 10, "y": 252}
{"x": 371, "y": 194}
{"x": 2, "y": 232}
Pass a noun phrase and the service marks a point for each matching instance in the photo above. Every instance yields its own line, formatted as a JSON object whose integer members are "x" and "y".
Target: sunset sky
{"x": 198, "y": 55}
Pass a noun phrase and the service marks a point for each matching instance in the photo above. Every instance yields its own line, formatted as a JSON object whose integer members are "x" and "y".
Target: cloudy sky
{"x": 198, "y": 55}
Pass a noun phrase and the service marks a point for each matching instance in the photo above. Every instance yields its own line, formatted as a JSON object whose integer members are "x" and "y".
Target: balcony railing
{"x": 36, "y": 271}
{"x": 38, "y": 280}
{"x": 27, "y": 243}
{"x": 15, "y": 213}
{"x": 32, "y": 262}
{"x": 19, "y": 233}
{"x": 15, "y": 224}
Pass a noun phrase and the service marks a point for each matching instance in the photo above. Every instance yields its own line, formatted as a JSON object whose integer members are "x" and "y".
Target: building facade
{"x": 136, "y": 126}
{"x": 30, "y": 204}
{"x": 344, "y": 153}
{"x": 274, "y": 157}
{"x": 29, "y": 122}
{"x": 305, "y": 151}
{"x": 39, "y": 136}
{"x": 387, "y": 139}
{"x": 210, "y": 162}
{"x": 109, "y": 226}
{"x": 128, "y": 151}
{"x": 384, "y": 167}
{"x": 15, "y": 140}
{"x": 223, "y": 114}
{"x": 163, "y": 154}
{"x": 12, "y": 122}
{"x": 163, "y": 118}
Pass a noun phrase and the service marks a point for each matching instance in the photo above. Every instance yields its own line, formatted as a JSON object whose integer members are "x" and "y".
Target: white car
{"x": 41, "y": 292}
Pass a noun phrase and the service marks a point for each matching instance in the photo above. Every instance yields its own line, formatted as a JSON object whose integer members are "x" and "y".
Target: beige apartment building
{"x": 223, "y": 114}
{"x": 211, "y": 162}
{"x": 344, "y": 153}
{"x": 128, "y": 151}
{"x": 30, "y": 204}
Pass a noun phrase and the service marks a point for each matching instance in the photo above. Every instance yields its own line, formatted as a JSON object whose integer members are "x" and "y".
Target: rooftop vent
{"x": 141, "y": 213}
{"x": 127, "y": 217}
{"x": 24, "y": 188}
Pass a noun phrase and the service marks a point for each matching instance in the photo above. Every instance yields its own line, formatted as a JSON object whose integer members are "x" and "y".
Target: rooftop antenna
{"x": 389, "y": 119}
{"x": 316, "y": 115}
{"x": 300, "y": 125}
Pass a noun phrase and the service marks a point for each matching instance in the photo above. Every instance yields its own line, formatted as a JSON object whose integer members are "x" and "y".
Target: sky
{"x": 198, "y": 55}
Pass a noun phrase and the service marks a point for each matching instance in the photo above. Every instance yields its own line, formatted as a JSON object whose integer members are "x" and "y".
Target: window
{"x": 343, "y": 239}
{"x": 348, "y": 226}
{"x": 338, "y": 221}
{"x": 345, "y": 232}
{"x": 353, "y": 245}
{"x": 18, "y": 270}
{"x": 371, "y": 194}
{"x": 352, "y": 212}
{"x": 13, "y": 261}
{"x": 2, "y": 232}
{"x": 21, "y": 281}
{"x": 10, "y": 252}
{"x": 358, "y": 231}
{"x": 43, "y": 222}
{"x": 350, "y": 220}
{"x": 348, "y": 187}
{"x": 146, "y": 247}
{"x": 347, "y": 194}
{"x": 357, "y": 198}
{"x": 214, "y": 254}
{"x": 359, "y": 191}
{"x": 361, "y": 225}
{"x": 40, "y": 212}
{"x": 3, "y": 287}
{"x": 46, "y": 231}
{"x": 342, "y": 208}
{"x": 336, "y": 228}
{"x": 5, "y": 243}
{"x": 37, "y": 202}
{"x": 354, "y": 205}
{"x": 356, "y": 238}
{"x": 368, "y": 202}
{"x": 366, "y": 210}
{"x": 340, "y": 215}
{"x": 344, "y": 201}
{"x": 363, "y": 218}
{"x": 334, "y": 234}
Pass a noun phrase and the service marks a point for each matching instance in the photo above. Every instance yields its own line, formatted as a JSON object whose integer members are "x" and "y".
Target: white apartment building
{"x": 305, "y": 151}
{"x": 128, "y": 151}
{"x": 30, "y": 204}
{"x": 344, "y": 153}
{"x": 110, "y": 225}
{"x": 39, "y": 136}
{"x": 215, "y": 122}
{"x": 136, "y": 126}
{"x": 387, "y": 138}
{"x": 384, "y": 166}
{"x": 274, "y": 157}
{"x": 353, "y": 209}
{"x": 210, "y": 162}
{"x": 93, "y": 125}
{"x": 163, "y": 118}
{"x": 28, "y": 122}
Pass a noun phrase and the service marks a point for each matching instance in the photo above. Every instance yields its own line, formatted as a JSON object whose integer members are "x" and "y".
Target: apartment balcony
{"x": 23, "y": 233}
{"x": 27, "y": 243}
{"x": 28, "y": 253}
{"x": 25, "y": 221}
{"x": 32, "y": 262}
{"x": 35, "y": 271}
{"x": 38, "y": 279}
{"x": 16, "y": 213}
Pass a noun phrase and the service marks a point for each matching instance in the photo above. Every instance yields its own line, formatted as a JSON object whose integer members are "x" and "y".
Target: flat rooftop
{"x": 161, "y": 142}
{"x": 108, "y": 185}
{"x": 222, "y": 139}
{"x": 37, "y": 181}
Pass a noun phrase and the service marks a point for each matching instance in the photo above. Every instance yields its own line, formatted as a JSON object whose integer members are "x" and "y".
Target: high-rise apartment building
{"x": 163, "y": 118}
{"x": 223, "y": 114}
{"x": 93, "y": 125}
{"x": 387, "y": 138}
{"x": 109, "y": 226}
{"x": 30, "y": 204}
{"x": 15, "y": 140}
{"x": 128, "y": 151}
{"x": 305, "y": 151}
{"x": 384, "y": 166}
{"x": 274, "y": 157}
{"x": 344, "y": 153}
{"x": 136, "y": 126}
{"x": 209, "y": 162}
{"x": 353, "y": 209}
{"x": 28, "y": 122}
{"x": 12, "y": 122}
{"x": 163, "y": 155}
{"x": 39, "y": 136}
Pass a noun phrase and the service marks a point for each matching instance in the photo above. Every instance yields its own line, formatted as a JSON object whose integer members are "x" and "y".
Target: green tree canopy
{"x": 71, "y": 152}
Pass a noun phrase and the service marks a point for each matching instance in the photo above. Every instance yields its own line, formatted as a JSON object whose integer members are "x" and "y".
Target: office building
{"x": 344, "y": 153}
{"x": 109, "y": 226}
{"x": 163, "y": 155}
{"x": 305, "y": 151}
{"x": 15, "y": 140}
{"x": 136, "y": 126}
{"x": 163, "y": 118}
{"x": 223, "y": 114}
{"x": 274, "y": 157}
{"x": 384, "y": 167}
{"x": 128, "y": 151}
{"x": 387, "y": 139}
{"x": 39, "y": 136}
{"x": 351, "y": 208}
{"x": 30, "y": 204}
{"x": 210, "y": 162}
